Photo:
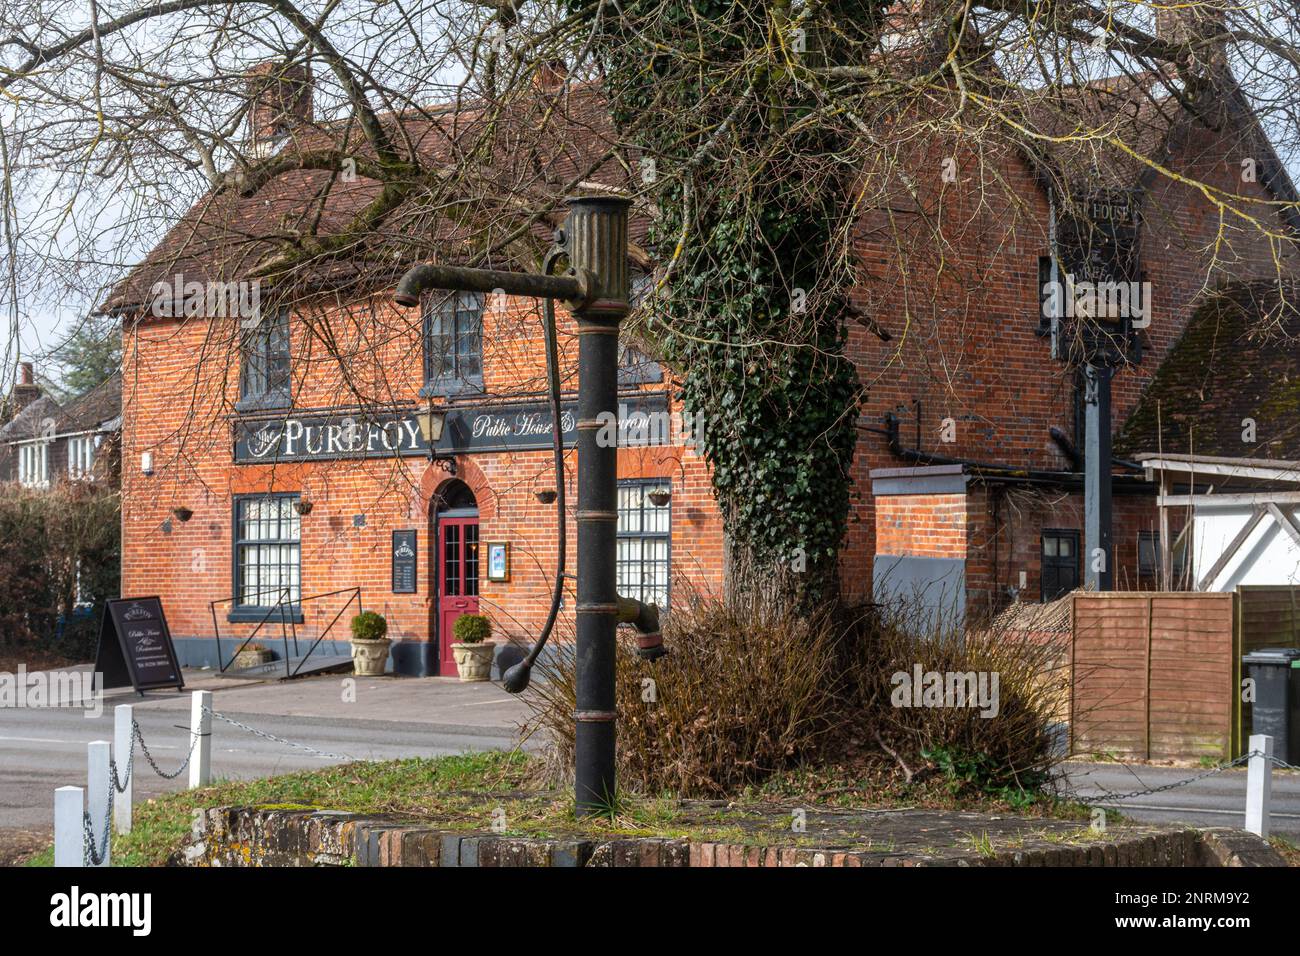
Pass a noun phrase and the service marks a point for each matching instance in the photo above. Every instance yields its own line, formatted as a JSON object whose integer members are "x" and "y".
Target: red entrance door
{"x": 457, "y": 582}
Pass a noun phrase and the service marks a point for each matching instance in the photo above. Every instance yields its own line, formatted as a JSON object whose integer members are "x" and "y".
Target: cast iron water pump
{"x": 595, "y": 290}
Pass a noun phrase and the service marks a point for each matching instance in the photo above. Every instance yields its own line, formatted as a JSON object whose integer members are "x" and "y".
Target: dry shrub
{"x": 1009, "y": 755}
{"x": 745, "y": 693}
{"x": 740, "y": 695}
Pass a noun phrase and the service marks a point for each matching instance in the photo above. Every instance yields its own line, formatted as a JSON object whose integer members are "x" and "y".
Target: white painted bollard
{"x": 123, "y": 742}
{"x": 69, "y": 837}
{"x": 1259, "y": 784}
{"x": 98, "y": 787}
{"x": 201, "y": 738}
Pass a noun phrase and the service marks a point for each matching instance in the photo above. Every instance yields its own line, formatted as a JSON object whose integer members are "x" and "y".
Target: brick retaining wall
{"x": 260, "y": 836}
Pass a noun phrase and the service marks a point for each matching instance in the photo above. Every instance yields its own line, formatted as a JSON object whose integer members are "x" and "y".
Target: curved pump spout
{"x": 649, "y": 639}
{"x": 645, "y": 618}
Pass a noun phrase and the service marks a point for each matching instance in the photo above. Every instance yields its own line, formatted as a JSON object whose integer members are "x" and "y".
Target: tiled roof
{"x": 32, "y": 421}
{"x": 100, "y": 405}
{"x": 1236, "y": 360}
{"x": 532, "y": 163}
{"x": 45, "y": 416}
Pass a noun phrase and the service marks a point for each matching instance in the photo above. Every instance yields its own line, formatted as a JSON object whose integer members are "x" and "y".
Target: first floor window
{"x": 1060, "y": 563}
{"x": 33, "y": 464}
{"x": 264, "y": 375}
{"x": 81, "y": 456}
{"x": 644, "y": 530}
{"x": 453, "y": 342}
{"x": 267, "y": 552}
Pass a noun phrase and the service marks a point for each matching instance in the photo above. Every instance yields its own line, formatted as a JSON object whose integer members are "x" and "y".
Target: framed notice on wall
{"x": 498, "y": 560}
{"x": 404, "y": 563}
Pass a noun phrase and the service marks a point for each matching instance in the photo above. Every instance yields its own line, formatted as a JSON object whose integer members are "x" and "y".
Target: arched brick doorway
{"x": 454, "y": 568}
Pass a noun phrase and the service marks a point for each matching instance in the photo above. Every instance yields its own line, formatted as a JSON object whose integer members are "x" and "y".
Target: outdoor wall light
{"x": 183, "y": 514}
{"x": 660, "y": 497}
{"x": 431, "y": 421}
{"x": 303, "y": 506}
{"x": 546, "y": 496}
{"x": 146, "y": 462}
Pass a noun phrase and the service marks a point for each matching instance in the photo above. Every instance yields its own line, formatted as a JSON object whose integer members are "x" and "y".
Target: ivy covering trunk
{"x": 752, "y": 309}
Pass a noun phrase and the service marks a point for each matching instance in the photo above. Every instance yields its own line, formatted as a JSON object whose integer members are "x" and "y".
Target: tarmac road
{"x": 45, "y": 748}
{"x": 1216, "y": 801}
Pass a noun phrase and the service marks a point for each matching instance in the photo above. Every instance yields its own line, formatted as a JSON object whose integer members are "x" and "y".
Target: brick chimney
{"x": 1202, "y": 20}
{"x": 280, "y": 101}
{"x": 550, "y": 76}
{"x": 25, "y": 390}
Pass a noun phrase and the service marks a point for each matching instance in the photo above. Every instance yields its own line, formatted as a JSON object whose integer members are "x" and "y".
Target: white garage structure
{"x": 1239, "y": 521}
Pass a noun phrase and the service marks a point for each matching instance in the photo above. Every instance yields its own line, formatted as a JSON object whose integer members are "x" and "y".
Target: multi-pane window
{"x": 634, "y": 366}
{"x": 267, "y": 552}
{"x": 1060, "y": 563}
{"x": 81, "y": 456}
{"x": 453, "y": 342}
{"x": 33, "y": 464}
{"x": 460, "y": 563}
{"x": 643, "y": 535}
{"x": 265, "y": 354}
{"x": 1148, "y": 555}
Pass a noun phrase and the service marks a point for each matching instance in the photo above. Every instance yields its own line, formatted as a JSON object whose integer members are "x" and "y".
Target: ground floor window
{"x": 644, "y": 531}
{"x": 81, "y": 456}
{"x": 1148, "y": 554}
{"x": 1060, "y": 567}
{"x": 34, "y": 464}
{"x": 267, "y": 551}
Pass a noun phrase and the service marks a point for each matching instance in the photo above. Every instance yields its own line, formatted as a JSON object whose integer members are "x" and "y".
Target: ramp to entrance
{"x": 287, "y": 612}
{"x": 300, "y": 665}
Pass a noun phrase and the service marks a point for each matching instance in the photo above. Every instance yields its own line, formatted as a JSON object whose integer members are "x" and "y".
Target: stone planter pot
{"x": 251, "y": 658}
{"x": 370, "y": 657}
{"x": 473, "y": 661}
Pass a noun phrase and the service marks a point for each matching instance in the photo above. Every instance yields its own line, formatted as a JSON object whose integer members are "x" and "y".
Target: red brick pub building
{"x": 282, "y": 461}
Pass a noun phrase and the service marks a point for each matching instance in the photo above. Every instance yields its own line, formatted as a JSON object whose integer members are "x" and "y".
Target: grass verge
{"x": 473, "y": 791}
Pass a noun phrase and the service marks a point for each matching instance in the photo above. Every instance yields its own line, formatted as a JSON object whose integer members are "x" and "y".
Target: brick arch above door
{"x": 435, "y": 476}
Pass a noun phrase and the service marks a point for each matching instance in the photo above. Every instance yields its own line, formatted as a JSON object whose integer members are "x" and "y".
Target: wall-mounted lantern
{"x": 431, "y": 422}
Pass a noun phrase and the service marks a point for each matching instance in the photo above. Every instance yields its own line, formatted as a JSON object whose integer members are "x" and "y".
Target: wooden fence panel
{"x": 1153, "y": 674}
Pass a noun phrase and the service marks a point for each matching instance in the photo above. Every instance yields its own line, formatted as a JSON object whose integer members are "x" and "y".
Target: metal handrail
{"x": 283, "y": 603}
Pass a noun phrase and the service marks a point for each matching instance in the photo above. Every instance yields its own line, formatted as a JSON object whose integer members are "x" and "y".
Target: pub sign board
{"x": 518, "y": 426}
{"x": 135, "y": 646}
{"x": 1097, "y": 238}
{"x": 404, "y": 557}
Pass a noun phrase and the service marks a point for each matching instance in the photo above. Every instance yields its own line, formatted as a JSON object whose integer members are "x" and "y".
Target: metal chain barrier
{"x": 89, "y": 856}
{"x": 279, "y": 740}
{"x": 130, "y": 766}
{"x": 1108, "y": 798}
{"x": 135, "y": 731}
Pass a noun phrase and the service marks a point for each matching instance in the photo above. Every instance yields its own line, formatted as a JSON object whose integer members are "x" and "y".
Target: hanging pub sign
{"x": 523, "y": 426}
{"x": 135, "y": 646}
{"x": 1097, "y": 249}
{"x": 404, "y": 556}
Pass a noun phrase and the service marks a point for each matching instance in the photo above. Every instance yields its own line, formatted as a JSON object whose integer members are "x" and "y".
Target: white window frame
{"x": 81, "y": 456}
{"x": 34, "y": 464}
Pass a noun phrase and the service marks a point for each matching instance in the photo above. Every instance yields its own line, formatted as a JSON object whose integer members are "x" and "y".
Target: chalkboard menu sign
{"x": 404, "y": 551}
{"x": 135, "y": 646}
